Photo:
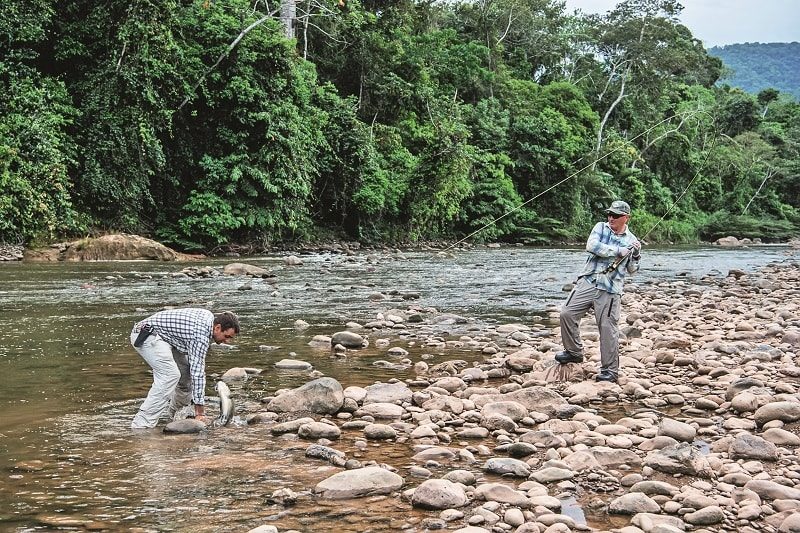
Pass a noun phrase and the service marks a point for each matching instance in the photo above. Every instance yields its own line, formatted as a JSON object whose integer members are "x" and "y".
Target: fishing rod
{"x": 590, "y": 165}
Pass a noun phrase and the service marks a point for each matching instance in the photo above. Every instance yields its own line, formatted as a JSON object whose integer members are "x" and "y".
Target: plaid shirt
{"x": 604, "y": 247}
{"x": 187, "y": 330}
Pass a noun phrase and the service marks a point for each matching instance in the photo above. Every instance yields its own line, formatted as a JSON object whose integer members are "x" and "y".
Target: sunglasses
{"x": 614, "y": 215}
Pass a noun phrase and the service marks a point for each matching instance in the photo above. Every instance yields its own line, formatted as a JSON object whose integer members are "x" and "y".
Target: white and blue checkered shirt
{"x": 189, "y": 331}
{"x": 604, "y": 246}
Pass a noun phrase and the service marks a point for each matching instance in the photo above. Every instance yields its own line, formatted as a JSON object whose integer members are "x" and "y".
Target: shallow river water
{"x": 71, "y": 382}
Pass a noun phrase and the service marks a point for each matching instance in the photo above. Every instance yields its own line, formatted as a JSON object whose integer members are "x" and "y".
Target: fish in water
{"x": 225, "y": 404}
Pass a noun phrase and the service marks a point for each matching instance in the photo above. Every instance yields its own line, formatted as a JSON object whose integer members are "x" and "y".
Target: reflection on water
{"x": 571, "y": 508}
{"x": 71, "y": 382}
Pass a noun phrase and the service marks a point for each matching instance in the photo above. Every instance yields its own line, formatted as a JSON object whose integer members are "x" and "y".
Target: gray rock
{"x": 439, "y": 494}
{"x": 502, "y": 465}
{"x": 747, "y": 446}
{"x": 633, "y": 503}
{"x": 322, "y": 396}
{"x": 379, "y": 432}
{"x": 783, "y": 411}
{"x": 360, "y": 482}
{"x": 348, "y": 339}
{"x": 771, "y": 490}
{"x": 319, "y": 430}
{"x": 187, "y": 425}
{"x": 677, "y": 430}
{"x": 291, "y": 426}
{"x": 465, "y": 477}
{"x": 387, "y": 393}
{"x": 293, "y": 364}
{"x": 326, "y": 453}
{"x": 682, "y": 458}
{"x": 705, "y": 517}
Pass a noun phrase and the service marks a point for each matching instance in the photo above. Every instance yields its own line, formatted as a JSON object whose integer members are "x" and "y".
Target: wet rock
{"x": 326, "y": 453}
{"x": 322, "y": 396}
{"x": 357, "y": 483}
{"x": 379, "y": 432}
{"x": 290, "y": 426}
{"x": 187, "y": 425}
{"x": 348, "y": 339}
{"x": 243, "y": 269}
{"x": 319, "y": 430}
{"x": 293, "y": 364}
{"x": 513, "y": 467}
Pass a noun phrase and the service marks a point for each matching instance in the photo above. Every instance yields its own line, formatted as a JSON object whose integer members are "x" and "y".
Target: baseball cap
{"x": 618, "y": 207}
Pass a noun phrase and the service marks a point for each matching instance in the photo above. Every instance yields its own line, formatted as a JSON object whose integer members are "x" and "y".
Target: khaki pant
{"x": 172, "y": 383}
{"x": 584, "y": 297}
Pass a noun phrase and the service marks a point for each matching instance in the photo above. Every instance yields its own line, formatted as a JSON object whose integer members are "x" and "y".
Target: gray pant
{"x": 583, "y": 297}
{"x": 172, "y": 384}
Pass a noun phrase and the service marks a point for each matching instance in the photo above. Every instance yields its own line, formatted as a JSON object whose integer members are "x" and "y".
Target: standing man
{"x": 613, "y": 252}
{"x": 174, "y": 344}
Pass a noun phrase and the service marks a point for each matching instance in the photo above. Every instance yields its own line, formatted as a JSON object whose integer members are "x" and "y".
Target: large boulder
{"x": 323, "y": 396}
{"x": 359, "y": 482}
{"x": 115, "y": 247}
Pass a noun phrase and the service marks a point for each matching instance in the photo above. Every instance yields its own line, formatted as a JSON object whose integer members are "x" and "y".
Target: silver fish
{"x": 225, "y": 404}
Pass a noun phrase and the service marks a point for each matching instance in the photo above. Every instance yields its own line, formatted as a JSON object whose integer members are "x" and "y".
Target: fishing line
{"x": 617, "y": 262}
{"x": 526, "y": 202}
{"x": 678, "y": 199}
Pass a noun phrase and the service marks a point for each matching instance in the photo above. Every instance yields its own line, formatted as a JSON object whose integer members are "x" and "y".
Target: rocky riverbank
{"x": 11, "y": 252}
{"x": 116, "y": 247}
{"x": 700, "y": 434}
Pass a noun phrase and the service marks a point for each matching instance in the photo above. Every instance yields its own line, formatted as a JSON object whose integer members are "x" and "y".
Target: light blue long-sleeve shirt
{"x": 604, "y": 246}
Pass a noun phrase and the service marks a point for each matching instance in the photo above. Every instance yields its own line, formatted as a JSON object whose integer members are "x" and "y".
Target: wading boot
{"x": 605, "y": 375}
{"x": 567, "y": 357}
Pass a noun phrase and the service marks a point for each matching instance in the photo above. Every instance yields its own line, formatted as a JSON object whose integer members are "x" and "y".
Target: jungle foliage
{"x": 201, "y": 124}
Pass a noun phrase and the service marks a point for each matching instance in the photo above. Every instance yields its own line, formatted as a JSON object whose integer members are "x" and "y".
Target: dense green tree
{"x": 211, "y": 123}
{"x": 36, "y": 153}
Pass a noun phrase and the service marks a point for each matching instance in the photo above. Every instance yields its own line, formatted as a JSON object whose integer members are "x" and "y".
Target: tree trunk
{"x": 610, "y": 109}
{"x": 288, "y": 16}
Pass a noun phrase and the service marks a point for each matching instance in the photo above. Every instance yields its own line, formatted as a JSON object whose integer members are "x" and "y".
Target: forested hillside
{"x": 758, "y": 66}
{"x": 205, "y": 123}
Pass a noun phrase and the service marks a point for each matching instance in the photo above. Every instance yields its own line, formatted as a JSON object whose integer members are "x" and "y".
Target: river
{"x": 71, "y": 382}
